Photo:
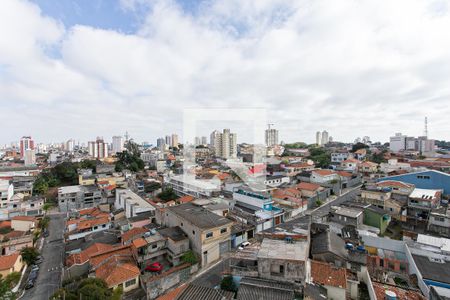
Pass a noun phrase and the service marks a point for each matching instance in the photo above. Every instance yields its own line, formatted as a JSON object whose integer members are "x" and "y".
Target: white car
{"x": 243, "y": 245}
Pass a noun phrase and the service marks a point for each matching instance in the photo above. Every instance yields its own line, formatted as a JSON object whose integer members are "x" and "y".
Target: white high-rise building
{"x": 225, "y": 144}
{"x": 212, "y": 138}
{"x": 318, "y": 138}
{"x": 174, "y": 140}
{"x": 325, "y": 138}
{"x": 98, "y": 149}
{"x": 271, "y": 137}
{"x": 204, "y": 140}
{"x": 117, "y": 144}
{"x": 69, "y": 145}
{"x": 29, "y": 157}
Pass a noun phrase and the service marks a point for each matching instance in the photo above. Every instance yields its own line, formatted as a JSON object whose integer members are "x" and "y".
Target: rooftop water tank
{"x": 390, "y": 295}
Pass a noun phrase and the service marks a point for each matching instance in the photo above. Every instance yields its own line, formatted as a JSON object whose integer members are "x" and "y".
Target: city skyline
{"x": 286, "y": 57}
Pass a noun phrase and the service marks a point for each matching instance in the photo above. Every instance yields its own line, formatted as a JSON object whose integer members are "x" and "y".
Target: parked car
{"x": 29, "y": 284}
{"x": 39, "y": 260}
{"x": 34, "y": 268}
{"x": 154, "y": 267}
{"x": 46, "y": 234}
{"x": 33, "y": 275}
{"x": 243, "y": 245}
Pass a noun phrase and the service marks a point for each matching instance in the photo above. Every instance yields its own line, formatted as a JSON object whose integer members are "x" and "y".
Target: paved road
{"x": 49, "y": 278}
{"x": 349, "y": 195}
{"x": 213, "y": 276}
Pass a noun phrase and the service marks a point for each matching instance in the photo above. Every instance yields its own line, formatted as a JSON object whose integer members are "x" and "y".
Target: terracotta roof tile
{"x": 139, "y": 243}
{"x": 117, "y": 270}
{"x": 324, "y": 172}
{"x": 308, "y": 186}
{"x": 325, "y": 274}
{"x": 24, "y": 218}
{"x": 186, "y": 199}
{"x": 8, "y": 261}
{"x": 132, "y": 233}
{"x": 173, "y": 294}
{"x": 83, "y": 256}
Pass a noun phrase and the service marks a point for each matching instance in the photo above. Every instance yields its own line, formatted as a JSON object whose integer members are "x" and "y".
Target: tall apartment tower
{"x": 325, "y": 138}
{"x": 26, "y": 143}
{"x": 98, "y": 149}
{"x": 175, "y": 140}
{"x": 271, "y": 137}
{"x": 204, "y": 140}
{"x": 168, "y": 140}
{"x": 225, "y": 144}
{"x": 29, "y": 157}
{"x": 212, "y": 138}
{"x": 117, "y": 144}
{"x": 318, "y": 138}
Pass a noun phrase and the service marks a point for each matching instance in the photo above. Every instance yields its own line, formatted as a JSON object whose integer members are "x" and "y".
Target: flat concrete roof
{"x": 280, "y": 249}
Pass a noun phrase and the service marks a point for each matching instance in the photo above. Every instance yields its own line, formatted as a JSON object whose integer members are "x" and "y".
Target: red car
{"x": 154, "y": 267}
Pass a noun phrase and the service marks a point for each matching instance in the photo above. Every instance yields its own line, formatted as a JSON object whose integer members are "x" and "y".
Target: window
{"x": 193, "y": 232}
{"x": 95, "y": 227}
{"x": 209, "y": 235}
{"x": 439, "y": 219}
{"x": 154, "y": 246}
{"x": 423, "y": 177}
{"x": 104, "y": 226}
{"x": 381, "y": 262}
{"x": 62, "y": 201}
{"x": 181, "y": 224}
{"x": 130, "y": 282}
{"x": 223, "y": 230}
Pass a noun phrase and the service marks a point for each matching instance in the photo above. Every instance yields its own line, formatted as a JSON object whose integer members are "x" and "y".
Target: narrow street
{"x": 49, "y": 278}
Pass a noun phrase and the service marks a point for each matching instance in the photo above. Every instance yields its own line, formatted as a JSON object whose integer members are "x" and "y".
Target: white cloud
{"x": 354, "y": 68}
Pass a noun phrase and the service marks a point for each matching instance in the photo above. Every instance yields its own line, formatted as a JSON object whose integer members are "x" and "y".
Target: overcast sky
{"x": 81, "y": 69}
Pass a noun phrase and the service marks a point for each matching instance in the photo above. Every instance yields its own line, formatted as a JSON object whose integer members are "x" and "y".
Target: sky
{"x": 82, "y": 69}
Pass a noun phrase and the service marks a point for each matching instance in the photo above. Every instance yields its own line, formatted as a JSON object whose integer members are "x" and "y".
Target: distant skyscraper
{"x": 225, "y": 144}
{"x": 271, "y": 137}
{"x": 197, "y": 141}
{"x": 26, "y": 142}
{"x": 204, "y": 140}
{"x": 98, "y": 149}
{"x": 69, "y": 145}
{"x": 175, "y": 140}
{"x": 168, "y": 140}
{"x": 30, "y": 157}
{"x": 212, "y": 138}
{"x": 117, "y": 144}
{"x": 318, "y": 138}
{"x": 325, "y": 139}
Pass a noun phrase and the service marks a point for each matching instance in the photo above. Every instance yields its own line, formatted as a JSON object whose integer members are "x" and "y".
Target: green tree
{"x": 40, "y": 185}
{"x": 7, "y": 283}
{"x": 227, "y": 284}
{"x": 29, "y": 255}
{"x": 167, "y": 195}
{"x": 43, "y": 223}
{"x": 358, "y": 146}
{"x": 94, "y": 288}
{"x": 189, "y": 257}
{"x": 152, "y": 186}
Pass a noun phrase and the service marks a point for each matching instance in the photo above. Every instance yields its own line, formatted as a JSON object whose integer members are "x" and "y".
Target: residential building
{"x": 132, "y": 203}
{"x": 225, "y": 144}
{"x": 439, "y": 221}
{"x": 350, "y": 165}
{"x": 333, "y": 279}
{"x": 117, "y": 144}
{"x": 188, "y": 185}
{"x": 98, "y": 148}
{"x": 283, "y": 261}
{"x": 326, "y": 246}
{"x": 168, "y": 140}
{"x": 397, "y": 143}
{"x": 29, "y": 157}
{"x": 24, "y": 223}
{"x": 368, "y": 167}
{"x": 338, "y": 157}
{"x": 324, "y": 176}
{"x": 10, "y": 263}
{"x": 325, "y": 138}
{"x": 26, "y": 143}
{"x": 346, "y": 216}
{"x": 77, "y": 197}
{"x": 175, "y": 141}
{"x": 89, "y": 221}
{"x": 422, "y": 201}
{"x": 6, "y": 192}
{"x": 271, "y": 137}
{"x": 177, "y": 243}
{"x": 376, "y": 217}
{"x": 209, "y": 234}
{"x": 375, "y": 196}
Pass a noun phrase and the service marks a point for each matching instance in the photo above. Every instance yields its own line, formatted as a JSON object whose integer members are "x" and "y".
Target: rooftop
{"x": 8, "y": 261}
{"x": 326, "y": 274}
{"x": 433, "y": 269}
{"x": 199, "y": 216}
{"x": 347, "y": 211}
{"x": 173, "y": 233}
{"x": 280, "y": 249}
{"x": 425, "y": 194}
{"x": 262, "y": 289}
{"x": 199, "y": 292}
